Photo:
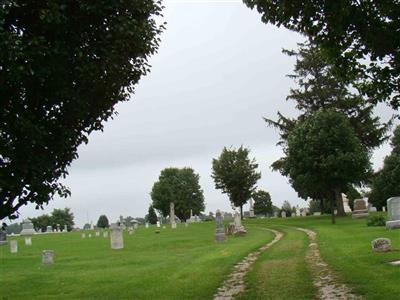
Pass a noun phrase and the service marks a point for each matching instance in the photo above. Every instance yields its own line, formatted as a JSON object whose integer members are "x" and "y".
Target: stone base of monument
{"x": 240, "y": 231}
{"x": 229, "y": 229}
{"x": 219, "y": 236}
{"x": 393, "y": 224}
{"x": 359, "y": 214}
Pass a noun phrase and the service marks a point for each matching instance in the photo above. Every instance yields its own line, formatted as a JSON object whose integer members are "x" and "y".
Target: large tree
{"x": 262, "y": 203}
{"x": 63, "y": 67}
{"x": 58, "y": 216}
{"x": 236, "y": 175}
{"x": 102, "y": 222}
{"x": 318, "y": 87}
{"x": 181, "y": 187}
{"x": 386, "y": 183}
{"x": 324, "y": 156}
{"x": 359, "y": 37}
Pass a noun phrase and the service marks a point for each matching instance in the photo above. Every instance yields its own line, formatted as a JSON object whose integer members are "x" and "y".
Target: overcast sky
{"x": 218, "y": 71}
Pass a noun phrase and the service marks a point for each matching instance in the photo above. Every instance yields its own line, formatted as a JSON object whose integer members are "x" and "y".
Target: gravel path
{"x": 323, "y": 277}
{"x": 234, "y": 284}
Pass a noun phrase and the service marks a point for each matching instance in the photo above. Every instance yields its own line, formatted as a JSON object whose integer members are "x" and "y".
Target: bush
{"x": 376, "y": 221}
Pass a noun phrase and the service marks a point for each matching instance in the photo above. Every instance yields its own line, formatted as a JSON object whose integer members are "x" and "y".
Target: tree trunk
{"x": 333, "y": 209}
{"x": 241, "y": 212}
{"x": 339, "y": 203}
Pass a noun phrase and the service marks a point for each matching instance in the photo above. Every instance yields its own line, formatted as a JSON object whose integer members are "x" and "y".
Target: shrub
{"x": 376, "y": 221}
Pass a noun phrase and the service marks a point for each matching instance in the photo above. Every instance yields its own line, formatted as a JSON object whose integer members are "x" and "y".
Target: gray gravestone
{"x": 105, "y": 234}
{"x": 360, "y": 209}
{"x": 283, "y": 214}
{"x": 393, "y": 211}
{"x": 219, "y": 230}
{"x": 13, "y": 246}
{"x": 239, "y": 228}
{"x": 49, "y": 229}
{"x": 147, "y": 225}
{"x": 97, "y": 233}
{"x": 65, "y": 228}
{"x": 116, "y": 237}
{"x": 83, "y": 235}
{"x": 381, "y": 245}
{"x": 28, "y": 240}
{"x": 3, "y": 237}
{"x": 47, "y": 257}
{"x": 27, "y": 228}
{"x": 172, "y": 215}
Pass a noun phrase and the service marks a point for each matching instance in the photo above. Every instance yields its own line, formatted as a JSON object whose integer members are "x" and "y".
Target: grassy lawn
{"x": 346, "y": 247}
{"x": 281, "y": 272}
{"x": 180, "y": 264}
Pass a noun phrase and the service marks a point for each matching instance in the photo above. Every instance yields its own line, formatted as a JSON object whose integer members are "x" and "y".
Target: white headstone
{"x": 65, "y": 228}
{"x": 28, "y": 241}
{"x": 105, "y": 234}
{"x": 283, "y": 214}
{"x": 27, "y": 228}
{"x": 393, "y": 210}
{"x": 346, "y": 205}
{"x": 383, "y": 208}
{"x": 83, "y": 235}
{"x": 117, "y": 239}
{"x": 89, "y": 235}
{"x": 13, "y": 246}
{"x": 147, "y": 225}
{"x": 158, "y": 224}
{"x": 317, "y": 213}
{"x": 251, "y": 208}
{"x": 97, "y": 233}
{"x": 49, "y": 229}
{"x": 47, "y": 257}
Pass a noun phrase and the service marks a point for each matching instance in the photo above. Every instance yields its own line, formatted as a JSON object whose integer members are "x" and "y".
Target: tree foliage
{"x": 63, "y": 67}
{"x": 152, "y": 217}
{"x": 262, "y": 203}
{"x": 324, "y": 156}
{"x": 386, "y": 183}
{"x": 359, "y": 37}
{"x": 180, "y": 186}
{"x": 236, "y": 175}
{"x": 58, "y": 216}
{"x": 102, "y": 222}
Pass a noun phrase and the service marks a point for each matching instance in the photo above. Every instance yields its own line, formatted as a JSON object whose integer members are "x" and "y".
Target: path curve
{"x": 234, "y": 284}
{"x": 323, "y": 277}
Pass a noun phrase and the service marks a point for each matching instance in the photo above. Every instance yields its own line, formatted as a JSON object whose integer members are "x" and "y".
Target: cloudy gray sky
{"x": 218, "y": 71}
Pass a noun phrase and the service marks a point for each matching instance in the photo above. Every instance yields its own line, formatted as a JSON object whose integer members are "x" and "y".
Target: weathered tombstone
{"x": 251, "y": 208}
{"x": 28, "y": 240}
{"x": 372, "y": 209}
{"x": 13, "y": 246}
{"x": 58, "y": 228}
{"x": 49, "y": 229}
{"x": 276, "y": 214}
{"x": 47, "y": 257}
{"x": 97, "y": 233}
{"x": 83, "y": 235}
{"x": 393, "y": 210}
{"x": 304, "y": 213}
{"x": 117, "y": 239}
{"x": 3, "y": 237}
{"x": 158, "y": 224}
{"x": 383, "y": 208}
{"x": 172, "y": 215}
{"x": 360, "y": 209}
{"x": 219, "y": 230}
{"x": 346, "y": 205}
{"x": 381, "y": 245}
{"x": 27, "y": 228}
{"x": 239, "y": 228}
{"x": 105, "y": 234}
{"x": 229, "y": 228}
{"x": 130, "y": 230}
{"x": 147, "y": 225}
{"x": 283, "y": 214}
{"x": 317, "y": 213}
{"x": 65, "y": 228}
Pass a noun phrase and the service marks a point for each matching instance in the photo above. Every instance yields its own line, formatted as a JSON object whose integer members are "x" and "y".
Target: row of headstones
{"x": 47, "y": 255}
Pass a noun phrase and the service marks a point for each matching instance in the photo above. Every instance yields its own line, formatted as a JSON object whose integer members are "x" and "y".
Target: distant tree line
{"x": 58, "y": 216}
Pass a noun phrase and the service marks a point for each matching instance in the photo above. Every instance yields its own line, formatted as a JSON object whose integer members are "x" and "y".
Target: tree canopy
{"x": 180, "y": 186}
{"x": 324, "y": 156}
{"x": 102, "y": 222}
{"x": 58, "y": 216}
{"x": 236, "y": 175}
{"x": 63, "y": 67}
{"x": 262, "y": 203}
{"x": 386, "y": 183}
{"x": 359, "y": 37}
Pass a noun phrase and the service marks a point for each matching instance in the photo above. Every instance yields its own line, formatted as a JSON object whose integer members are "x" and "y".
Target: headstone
{"x": 360, "y": 209}
{"x": 97, "y": 233}
{"x": 3, "y": 237}
{"x": 105, "y": 234}
{"x": 381, "y": 245}
{"x": 117, "y": 239}
{"x": 49, "y": 229}
{"x": 393, "y": 211}
{"x": 83, "y": 235}
{"x": 47, "y": 257}
{"x": 130, "y": 230}
{"x": 283, "y": 214}
{"x": 65, "y": 228}
{"x": 158, "y": 224}
{"x": 172, "y": 215}
{"x": 346, "y": 205}
{"x": 229, "y": 228}
{"x": 298, "y": 212}
{"x": 317, "y": 213}
{"x": 147, "y": 225}
{"x": 89, "y": 235}
{"x": 372, "y": 209}
{"x": 58, "y": 228}
{"x": 219, "y": 230}
{"x": 239, "y": 228}
{"x": 276, "y": 214}
{"x": 28, "y": 240}
{"x": 54, "y": 230}
{"x": 383, "y": 208}
{"x": 304, "y": 213}
{"x": 251, "y": 208}
{"x": 27, "y": 228}
{"x": 13, "y": 246}
{"x": 135, "y": 226}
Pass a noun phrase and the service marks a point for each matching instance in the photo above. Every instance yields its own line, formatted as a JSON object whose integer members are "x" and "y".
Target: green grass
{"x": 281, "y": 272}
{"x": 346, "y": 247}
{"x": 181, "y": 264}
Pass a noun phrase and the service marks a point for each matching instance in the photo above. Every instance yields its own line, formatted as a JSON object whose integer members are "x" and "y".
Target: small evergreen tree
{"x": 152, "y": 217}
{"x": 262, "y": 203}
{"x": 103, "y": 222}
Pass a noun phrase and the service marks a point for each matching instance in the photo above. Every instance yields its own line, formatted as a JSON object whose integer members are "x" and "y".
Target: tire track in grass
{"x": 324, "y": 278}
{"x": 234, "y": 284}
